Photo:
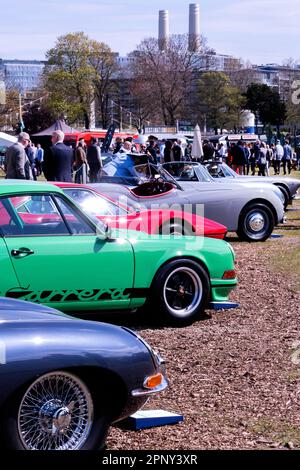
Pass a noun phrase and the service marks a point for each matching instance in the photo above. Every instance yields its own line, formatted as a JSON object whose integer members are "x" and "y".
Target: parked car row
{"x": 109, "y": 247}
{"x": 44, "y": 231}
{"x": 252, "y": 210}
{"x": 57, "y": 254}
{"x": 288, "y": 186}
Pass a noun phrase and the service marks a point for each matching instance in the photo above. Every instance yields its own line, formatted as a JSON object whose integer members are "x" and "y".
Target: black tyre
{"x": 55, "y": 412}
{"x": 256, "y": 223}
{"x": 180, "y": 291}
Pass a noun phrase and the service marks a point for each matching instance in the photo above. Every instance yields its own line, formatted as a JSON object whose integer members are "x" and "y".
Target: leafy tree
{"x": 68, "y": 77}
{"x": 266, "y": 104}
{"x": 36, "y": 118}
{"x": 219, "y": 101}
{"x": 103, "y": 61}
{"x": 78, "y": 71}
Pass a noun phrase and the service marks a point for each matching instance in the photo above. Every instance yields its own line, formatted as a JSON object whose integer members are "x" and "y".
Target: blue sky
{"x": 262, "y": 31}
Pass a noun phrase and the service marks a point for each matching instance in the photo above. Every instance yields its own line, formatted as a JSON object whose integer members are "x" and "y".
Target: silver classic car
{"x": 250, "y": 210}
{"x": 222, "y": 172}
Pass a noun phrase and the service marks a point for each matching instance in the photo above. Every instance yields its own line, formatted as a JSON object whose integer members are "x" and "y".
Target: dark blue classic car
{"x": 64, "y": 380}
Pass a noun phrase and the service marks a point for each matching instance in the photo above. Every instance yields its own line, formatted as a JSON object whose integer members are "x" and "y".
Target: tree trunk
{"x": 86, "y": 120}
{"x": 103, "y": 108}
{"x": 278, "y": 131}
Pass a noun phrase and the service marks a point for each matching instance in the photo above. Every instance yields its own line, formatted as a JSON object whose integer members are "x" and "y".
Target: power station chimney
{"x": 194, "y": 27}
{"x": 163, "y": 29}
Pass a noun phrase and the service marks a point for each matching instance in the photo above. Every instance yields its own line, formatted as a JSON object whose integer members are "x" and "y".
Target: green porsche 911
{"x": 61, "y": 257}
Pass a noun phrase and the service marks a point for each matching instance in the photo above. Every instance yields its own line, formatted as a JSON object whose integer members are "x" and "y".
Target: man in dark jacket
{"x": 151, "y": 151}
{"x": 30, "y": 165}
{"x": 59, "y": 159}
{"x": 208, "y": 151}
{"x": 239, "y": 158}
{"x": 94, "y": 160}
{"x": 177, "y": 151}
{"x": 16, "y": 158}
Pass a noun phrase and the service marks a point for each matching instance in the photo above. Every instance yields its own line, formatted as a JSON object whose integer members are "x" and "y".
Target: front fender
{"x": 32, "y": 350}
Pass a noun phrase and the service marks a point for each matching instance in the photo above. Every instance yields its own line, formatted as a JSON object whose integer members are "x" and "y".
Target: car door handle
{"x": 22, "y": 252}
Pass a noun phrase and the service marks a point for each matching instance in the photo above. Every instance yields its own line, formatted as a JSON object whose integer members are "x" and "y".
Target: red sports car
{"x": 165, "y": 221}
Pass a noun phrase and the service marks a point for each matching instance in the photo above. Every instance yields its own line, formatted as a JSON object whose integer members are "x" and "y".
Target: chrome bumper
{"x": 142, "y": 392}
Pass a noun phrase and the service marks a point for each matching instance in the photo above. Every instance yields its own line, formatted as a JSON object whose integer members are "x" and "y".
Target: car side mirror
{"x": 104, "y": 232}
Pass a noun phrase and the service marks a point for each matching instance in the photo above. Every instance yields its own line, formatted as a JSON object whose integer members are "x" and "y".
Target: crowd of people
{"x": 24, "y": 160}
{"x": 246, "y": 157}
{"x": 60, "y": 162}
{"x": 157, "y": 151}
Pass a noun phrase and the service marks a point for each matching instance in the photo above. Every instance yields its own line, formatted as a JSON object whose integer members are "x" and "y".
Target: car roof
{"x": 66, "y": 184}
{"x": 24, "y": 186}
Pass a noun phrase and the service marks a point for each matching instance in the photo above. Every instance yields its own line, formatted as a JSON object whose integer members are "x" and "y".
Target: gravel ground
{"x": 232, "y": 375}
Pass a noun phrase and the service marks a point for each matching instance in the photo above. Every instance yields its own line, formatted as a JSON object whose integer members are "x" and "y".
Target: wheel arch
{"x": 285, "y": 187}
{"x": 115, "y": 391}
{"x": 265, "y": 202}
{"x": 177, "y": 258}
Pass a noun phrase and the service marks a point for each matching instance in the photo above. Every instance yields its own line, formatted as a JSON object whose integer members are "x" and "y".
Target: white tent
{"x": 7, "y": 140}
{"x": 197, "y": 150}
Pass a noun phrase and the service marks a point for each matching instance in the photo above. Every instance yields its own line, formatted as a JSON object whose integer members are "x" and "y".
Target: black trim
{"x": 137, "y": 292}
{"x": 69, "y": 201}
{"x": 74, "y": 295}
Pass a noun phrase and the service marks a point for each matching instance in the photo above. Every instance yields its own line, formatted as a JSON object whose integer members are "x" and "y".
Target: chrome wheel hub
{"x": 256, "y": 222}
{"x": 54, "y": 417}
{"x": 183, "y": 291}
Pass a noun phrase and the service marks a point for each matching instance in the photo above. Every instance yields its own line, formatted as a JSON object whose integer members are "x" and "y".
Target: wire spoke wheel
{"x": 56, "y": 413}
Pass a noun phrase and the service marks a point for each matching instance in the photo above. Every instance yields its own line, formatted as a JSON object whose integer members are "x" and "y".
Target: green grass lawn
{"x": 288, "y": 262}
{"x": 295, "y": 174}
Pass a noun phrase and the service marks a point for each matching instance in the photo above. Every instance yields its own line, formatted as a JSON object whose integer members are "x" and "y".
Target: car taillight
{"x": 230, "y": 274}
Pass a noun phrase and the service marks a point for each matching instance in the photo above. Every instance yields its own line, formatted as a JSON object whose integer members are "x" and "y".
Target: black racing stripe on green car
{"x": 137, "y": 293}
{"x": 72, "y": 295}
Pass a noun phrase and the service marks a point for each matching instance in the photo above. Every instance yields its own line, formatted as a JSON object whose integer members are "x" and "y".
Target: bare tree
{"x": 243, "y": 76}
{"x": 143, "y": 102}
{"x": 168, "y": 75}
{"x": 9, "y": 112}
